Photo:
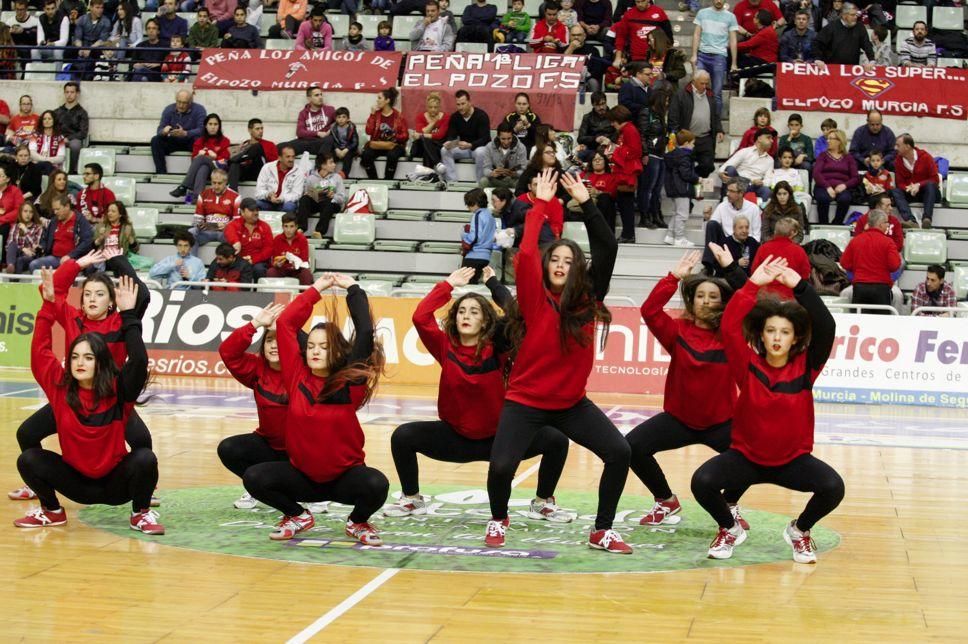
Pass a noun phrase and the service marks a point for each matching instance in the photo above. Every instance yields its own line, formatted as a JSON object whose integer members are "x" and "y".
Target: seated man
{"x": 313, "y": 125}
{"x": 549, "y": 36}
{"x": 181, "y": 123}
{"x": 250, "y": 237}
{"x": 281, "y": 182}
{"x": 94, "y": 198}
{"x": 918, "y": 50}
{"x": 504, "y": 159}
{"x": 468, "y": 131}
{"x": 290, "y": 252}
{"x": 53, "y": 31}
{"x": 433, "y": 33}
{"x": 934, "y": 291}
{"x": 241, "y": 34}
{"x": 916, "y": 177}
{"x": 149, "y": 54}
{"x": 752, "y": 165}
{"x": 248, "y": 158}
{"x": 91, "y": 30}
{"x": 873, "y": 135}
{"x": 719, "y": 223}
{"x": 229, "y": 267}
{"x": 758, "y": 54}
{"x": 67, "y": 236}
{"x": 215, "y": 208}
{"x": 180, "y": 267}
{"x": 170, "y": 23}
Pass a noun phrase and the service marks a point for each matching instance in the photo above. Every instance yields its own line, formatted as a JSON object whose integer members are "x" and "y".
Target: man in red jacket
{"x": 290, "y": 241}
{"x": 549, "y": 36}
{"x": 872, "y": 257}
{"x": 746, "y": 11}
{"x": 251, "y": 238}
{"x": 94, "y": 198}
{"x": 916, "y": 175}
{"x": 632, "y": 31}
{"x": 759, "y": 53}
{"x": 782, "y": 245}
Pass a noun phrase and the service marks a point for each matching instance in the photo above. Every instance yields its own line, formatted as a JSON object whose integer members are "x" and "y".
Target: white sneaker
{"x": 319, "y": 507}
{"x": 407, "y": 506}
{"x": 682, "y": 242}
{"x": 441, "y": 171}
{"x": 245, "y": 502}
{"x": 804, "y": 549}
{"x": 548, "y": 510}
{"x": 722, "y": 546}
{"x": 670, "y": 240}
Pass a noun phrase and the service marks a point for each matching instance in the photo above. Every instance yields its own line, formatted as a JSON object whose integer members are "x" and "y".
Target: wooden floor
{"x": 900, "y": 573}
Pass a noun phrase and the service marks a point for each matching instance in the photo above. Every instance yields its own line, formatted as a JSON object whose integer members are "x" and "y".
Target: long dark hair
{"x": 128, "y": 20}
{"x": 690, "y": 285}
{"x": 487, "y": 328}
{"x": 505, "y": 195}
{"x": 590, "y": 167}
{"x": 105, "y": 373}
{"x": 769, "y": 306}
{"x": 341, "y": 370}
{"x": 218, "y": 135}
{"x": 536, "y": 164}
{"x": 55, "y": 130}
{"x": 123, "y": 218}
{"x": 105, "y": 279}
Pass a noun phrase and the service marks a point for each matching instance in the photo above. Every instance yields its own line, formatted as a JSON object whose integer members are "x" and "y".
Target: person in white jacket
{"x": 280, "y": 183}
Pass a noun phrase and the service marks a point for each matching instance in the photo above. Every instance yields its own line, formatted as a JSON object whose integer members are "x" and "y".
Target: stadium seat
{"x": 395, "y": 245}
{"x": 440, "y": 247}
{"x": 407, "y": 215}
{"x": 531, "y": 7}
{"x": 376, "y": 288}
{"x": 471, "y": 47}
{"x": 144, "y": 221}
{"x": 959, "y": 281}
{"x": 40, "y": 71}
{"x": 925, "y": 247}
{"x": 839, "y": 235}
{"x": 124, "y": 189}
{"x": 369, "y": 24}
{"x": 340, "y": 22}
{"x": 576, "y": 231}
{"x": 455, "y": 216}
{"x": 949, "y": 18}
{"x": 379, "y": 195}
{"x": 957, "y": 190}
{"x": 354, "y": 229}
{"x": 908, "y": 14}
{"x": 402, "y": 26}
{"x": 274, "y": 219}
{"x": 902, "y": 35}
{"x": 279, "y": 281}
{"x": 107, "y": 159}
{"x": 280, "y": 43}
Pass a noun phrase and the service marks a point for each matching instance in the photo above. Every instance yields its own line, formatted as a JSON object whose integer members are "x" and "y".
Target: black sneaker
{"x": 179, "y": 192}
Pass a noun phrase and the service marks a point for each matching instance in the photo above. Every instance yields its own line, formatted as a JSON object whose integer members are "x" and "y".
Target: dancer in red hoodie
{"x": 559, "y": 300}
{"x": 324, "y": 440}
{"x": 472, "y": 352}
{"x": 91, "y": 401}
{"x": 776, "y": 349}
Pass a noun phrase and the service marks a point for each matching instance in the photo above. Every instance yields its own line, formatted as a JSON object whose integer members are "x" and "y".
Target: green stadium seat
{"x": 839, "y": 235}
{"x": 576, "y": 231}
{"x": 273, "y": 218}
{"x": 107, "y": 159}
{"x": 959, "y": 281}
{"x": 908, "y": 14}
{"x": 402, "y": 26}
{"x": 340, "y": 23}
{"x": 379, "y": 195}
{"x": 280, "y": 43}
{"x": 957, "y": 190}
{"x": 440, "y": 247}
{"x": 393, "y": 278}
{"x": 370, "y": 24}
{"x": 376, "y": 288}
{"x": 145, "y": 222}
{"x": 395, "y": 245}
{"x": 124, "y": 188}
{"x": 455, "y": 216}
{"x": 37, "y": 71}
{"x": 925, "y": 247}
{"x": 949, "y": 18}
{"x": 354, "y": 229}
{"x": 408, "y": 215}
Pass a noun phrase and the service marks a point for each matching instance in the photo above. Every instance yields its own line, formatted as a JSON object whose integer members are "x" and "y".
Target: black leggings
{"x": 42, "y": 424}
{"x": 239, "y": 453}
{"x": 279, "y": 484}
{"x": 664, "y": 432}
{"x": 369, "y": 156}
{"x": 308, "y": 207}
{"x": 805, "y": 473}
{"x": 583, "y": 423}
{"x": 437, "y": 440}
{"x": 133, "y": 479}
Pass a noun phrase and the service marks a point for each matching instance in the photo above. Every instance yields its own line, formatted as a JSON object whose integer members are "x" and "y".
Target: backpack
{"x": 359, "y": 203}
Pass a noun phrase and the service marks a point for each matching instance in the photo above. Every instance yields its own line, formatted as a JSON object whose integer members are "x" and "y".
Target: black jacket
{"x": 680, "y": 174}
{"x": 680, "y": 111}
{"x": 28, "y": 178}
{"x": 593, "y": 126}
{"x": 476, "y": 130}
{"x": 837, "y": 44}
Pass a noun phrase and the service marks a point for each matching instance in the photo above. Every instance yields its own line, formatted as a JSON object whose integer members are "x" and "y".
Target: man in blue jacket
{"x": 181, "y": 123}
{"x": 66, "y": 236}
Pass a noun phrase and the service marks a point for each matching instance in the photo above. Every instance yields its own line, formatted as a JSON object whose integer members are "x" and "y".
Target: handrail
{"x": 861, "y": 308}
{"x": 205, "y": 286}
{"x": 941, "y": 309}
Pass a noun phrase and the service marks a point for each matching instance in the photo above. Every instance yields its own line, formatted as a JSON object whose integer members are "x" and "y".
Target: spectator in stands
{"x": 918, "y": 50}
{"x": 516, "y": 24}
{"x": 354, "y": 40}
{"x": 447, "y": 14}
{"x": 149, "y": 55}
{"x": 210, "y": 151}
{"x": 315, "y": 33}
{"x": 22, "y": 124}
{"x": 170, "y": 23}
{"x": 430, "y": 131}
{"x": 23, "y": 28}
{"x": 229, "y": 267}
{"x": 917, "y": 178}
{"x": 595, "y": 17}
{"x": 181, "y": 123}
{"x": 758, "y": 53}
{"x": 128, "y": 29}
{"x": 693, "y": 108}
{"x": 827, "y": 126}
{"x": 882, "y": 48}
{"x": 567, "y": 14}
{"x": 634, "y": 95}
{"x": 626, "y": 160}
{"x": 406, "y": 7}
{"x": 94, "y": 198}
{"x": 668, "y": 63}
{"x": 91, "y": 30}
{"x": 47, "y": 145}
{"x": 741, "y": 245}
{"x": 872, "y": 257}
{"x": 468, "y": 132}
{"x": 787, "y": 173}
{"x": 241, "y": 34}
{"x": 180, "y": 267}
{"x": 655, "y": 138}
{"x": 66, "y": 236}
{"x": 746, "y": 11}
{"x": 872, "y": 136}
{"x": 251, "y": 238}
{"x": 477, "y": 239}
{"x": 478, "y": 21}
{"x": 8, "y": 58}
{"x": 632, "y": 31}
{"x": 54, "y": 31}
{"x": 798, "y": 142}
{"x": 504, "y": 159}
{"x": 384, "y": 40}
{"x": 280, "y": 183}
{"x": 751, "y": 165}
{"x": 842, "y": 41}
{"x": 784, "y": 244}
{"x": 596, "y": 131}
{"x": 797, "y": 43}
{"x": 933, "y": 291}
{"x": 878, "y": 179}
{"x": 601, "y": 186}
{"x": 10, "y": 200}
{"x": 215, "y": 208}
{"x": 544, "y": 158}
{"x": 680, "y": 185}
{"x": 289, "y": 17}
{"x": 716, "y": 30}
{"x": 782, "y": 205}
{"x": 834, "y": 179}
{"x": 26, "y": 175}
{"x": 313, "y": 124}
{"x": 222, "y": 13}
{"x": 549, "y": 36}
{"x": 287, "y": 246}
{"x": 388, "y": 134}
{"x": 247, "y": 159}
{"x": 433, "y": 33}
{"x": 324, "y": 195}
{"x": 106, "y": 67}
{"x": 204, "y": 33}
{"x": 595, "y": 65}
{"x": 56, "y": 187}
{"x": 72, "y": 122}
{"x": 523, "y": 121}
{"x": 25, "y": 236}
{"x": 114, "y": 231}
{"x": 895, "y": 228}
{"x": 346, "y": 141}
{"x": 719, "y": 222}
{"x": 761, "y": 119}
{"x": 177, "y": 65}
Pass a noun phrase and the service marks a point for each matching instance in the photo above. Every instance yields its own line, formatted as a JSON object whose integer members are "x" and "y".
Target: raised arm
{"x": 823, "y": 325}
{"x": 660, "y": 323}
{"x": 601, "y": 239}
{"x": 244, "y": 366}
{"x": 134, "y": 373}
{"x": 500, "y": 293}
{"x": 359, "y": 308}
{"x": 530, "y": 279}
{"x": 116, "y": 261}
{"x": 424, "y": 319}
{"x": 44, "y": 365}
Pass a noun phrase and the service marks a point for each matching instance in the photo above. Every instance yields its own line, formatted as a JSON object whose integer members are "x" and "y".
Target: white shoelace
{"x": 148, "y": 517}
{"x": 38, "y": 513}
{"x": 495, "y": 528}
{"x": 609, "y": 537}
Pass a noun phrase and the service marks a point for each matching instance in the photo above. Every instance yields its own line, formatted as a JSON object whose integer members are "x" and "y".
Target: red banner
{"x": 633, "y": 361}
{"x": 286, "y": 69}
{"x": 908, "y": 91}
{"x": 550, "y": 80}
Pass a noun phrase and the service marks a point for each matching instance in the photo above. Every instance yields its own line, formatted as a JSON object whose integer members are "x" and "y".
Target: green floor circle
{"x": 451, "y": 536}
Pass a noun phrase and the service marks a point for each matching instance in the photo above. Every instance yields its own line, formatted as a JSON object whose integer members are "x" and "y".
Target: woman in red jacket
{"x": 388, "y": 134}
{"x": 775, "y": 349}
{"x": 697, "y": 372}
{"x": 326, "y": 386}
{"x": 598, "y": 175}
{"x": 92, "y": 400}
{"x": 626, "y": 166}
{"x": 472, "y": 352}
{"x": 559, "y": 301}
{"x": 210, "y": 151}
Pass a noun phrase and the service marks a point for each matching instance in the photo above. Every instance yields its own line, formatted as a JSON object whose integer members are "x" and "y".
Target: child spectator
{"x": 324, "y": 196}
{"x": 354, "y": 40}
{"x": 785, "y": 172}
{"x": 180, "y": 267}
{"x": 882, "y": 49}
{"x": 106, "y": 67}
{"x": 567, "y": 14}
{"x": 800, "y": 143}
{"x": 177, "y": 65}
{"x": 25, "y": 234}
{"x": 477, "y": 240}
{"x": 602, "y": 186}
{"x": 680, "y": 185}
{"x": 516, "y": 23}
{"x": 878, "y": 179}
{"x": 761, "y": 119}
{"x": 615, "y": 77}
{"x": 446, "y": 14}
{"x": 820, "y": 144}
{"x": 290, "y": 252}
{"x": 346, "y": 141}
{"x": 383, "y": 42}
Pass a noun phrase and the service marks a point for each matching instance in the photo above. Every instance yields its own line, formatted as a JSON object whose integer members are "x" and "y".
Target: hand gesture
{"x": 126, "y": 293}
{"x": 323, "y": 282}
{"x": 686, "y": 263}
{"x": 461, "y": 277}
{"x": 767, "y": 271}
{"x": 788, "y": 277}
{"x": 488, "y": 273}
{"x": 92, "y": 258}
{"x": 547, "y": 185}
{"x": 47, "y": 284}
{"x": 343, "y": 281}
{"x": 722, "y": 254}
{"x": 111, "y": 253}
{"x": 575, "y": 187}
{"x": 267, "y": 316}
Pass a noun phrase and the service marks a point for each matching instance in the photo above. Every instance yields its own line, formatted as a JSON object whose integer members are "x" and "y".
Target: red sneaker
{"x": 722, "y": 546}
{"x": 364, "y": 533}
{"x": 609, "y": 541}
{"x": 663, "y": 512}
{"x": 289, "y": 527}
{"x": 738, "y": 518}
{"x": 21, "y": 494}
{"x": 494, "y": 534}
{"x": 40, "y": 517}
{"x": 146, "y": 521}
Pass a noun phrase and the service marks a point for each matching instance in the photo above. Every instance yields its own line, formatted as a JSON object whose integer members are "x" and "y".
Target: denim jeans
{"x": 928, "y": 195}
{"x": 203, "y": 237}
{"x": 284, "y": 206}
{"x": 450, "y": 157}
{"x": 648, "y": 194}
{"x": 716, "y": 66}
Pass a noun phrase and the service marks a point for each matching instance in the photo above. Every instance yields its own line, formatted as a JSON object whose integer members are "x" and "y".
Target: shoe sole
{"x": 537, "y": 516}
{"x": 493, "y": 545}
{"x": 244, "y": 507}
{"x": 594, "y": 546}
{"x": 21, "y": 498}
{"x": 46, "y": 525}
{"x": 786, "y": 537}
{"x": 665, "y": 520}
{"x": 151, "y": 532}
{"x": 415, "y": 513}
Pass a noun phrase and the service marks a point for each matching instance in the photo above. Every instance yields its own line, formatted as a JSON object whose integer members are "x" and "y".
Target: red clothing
{"x": 925, "y": 170}
{"x": 23, "y": 127}
{"x": 698, "y": 369}
{"x": 872, "y": 257}
{"x": 471, "y": 389}
{"x": 4, "y": 108}
{"x": 10, "y": 201}
{"x": 380, "y": 127}
{"x": 541, "y": 29}
{"x": 267, "y": 384}
{"x": 440, "y": 129}
{"x": 763, "y": 44}
{"x": 602, "y": 181}
{"x": 882, "y": 179}
{"x": 894, "y": 229}
{"x": 176, "y": 63}
{"x": 94, "y": 203}
{"x": 745, "y": 11}
{"x": 796, "y": 259}
{"x": 632, "y": 31}
{"x": 298, "y": 247}
{"x": 220, "y": 146}
{"x": 64, "y": 238}
{"x": 256, "y": 243}
{"x": 545, "y": 375}
{"x": 213, "y": 209}
{"x": 323, "y": 438}
{"x": 75, "y": 321}
{"x": 627, "y": 158}
{"x": 749, "y": 139}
